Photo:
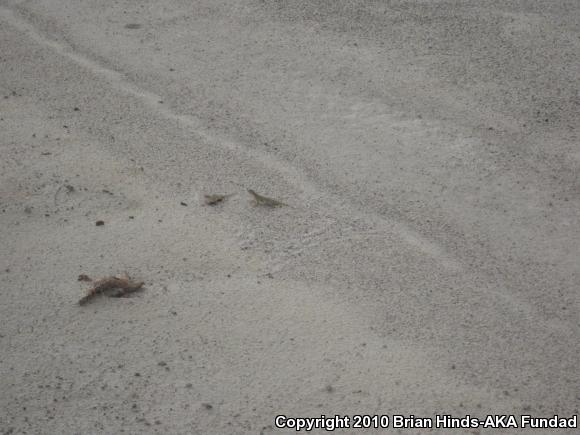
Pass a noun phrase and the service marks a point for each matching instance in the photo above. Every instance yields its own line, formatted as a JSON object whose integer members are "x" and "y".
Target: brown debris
{"x": 112, "y": 286}
{"x": 83, "y": 277}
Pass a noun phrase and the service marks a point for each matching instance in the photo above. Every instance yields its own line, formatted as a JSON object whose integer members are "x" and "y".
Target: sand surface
{"x": 428, "y": 261}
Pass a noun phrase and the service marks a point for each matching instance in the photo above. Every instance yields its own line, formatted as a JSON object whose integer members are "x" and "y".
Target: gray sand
{"x": 427, "y": 263}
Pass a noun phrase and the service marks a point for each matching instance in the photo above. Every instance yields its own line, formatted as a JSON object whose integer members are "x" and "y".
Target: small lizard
{"x": 265, "y": 201}
{"x": 216, "y": 198}
{"x": 113, "y": 287}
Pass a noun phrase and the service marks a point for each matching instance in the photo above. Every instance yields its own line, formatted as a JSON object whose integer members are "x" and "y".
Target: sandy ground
{"x": 428, "y": 262}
